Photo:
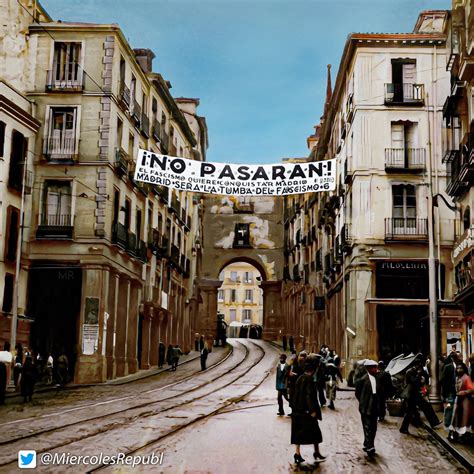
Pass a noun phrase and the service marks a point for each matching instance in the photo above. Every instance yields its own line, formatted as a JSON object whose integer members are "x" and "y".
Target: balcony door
{"x": 404, "y": 209}
{"x": 57, "y": 204}
{"x": 404, "y": 152}
{"x": 66, "y": 65}
{"x": 62, "y": 136}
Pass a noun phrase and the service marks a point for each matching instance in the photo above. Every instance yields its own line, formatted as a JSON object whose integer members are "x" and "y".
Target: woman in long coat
{"x": 28, "y": 377}
{"x": 306, "y": 412}
{"x": 463, "y": 412}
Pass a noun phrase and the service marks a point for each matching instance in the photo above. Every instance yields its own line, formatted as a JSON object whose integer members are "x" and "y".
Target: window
{"x": 13, "y": 229}
{"x": 233, "y": 296}
{"x": 246, "y": 315}
{"x": 131, "y": 142}
{"x": 2, "y": 138}
{"x": 61, "y": 142}
{"x": 220, "y": 296}
{"x": 138, "y": 224}
{"x": 57, "y": 204}
{"x": 119, "y": 133}
{"x": 67, "y": 72}
{"x": 248, "y": 296}
{"x": 248, "y": 277}
{"x": 233, "y": 276}
{"x": 404, "y": 205}
{"x": 17, "y": 160}
{"x": 116, "y": 205}
{"x": 8, "y": 293}
{"x": 221, "y": 275}
{"x": 233, "y": 315}
{"x": 404, "y": 87}
{"x": 128, "y": 213}
{"x": 242, "y": 235}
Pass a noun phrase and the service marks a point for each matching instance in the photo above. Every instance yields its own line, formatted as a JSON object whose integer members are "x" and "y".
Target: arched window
{"x": 466, "y": 220}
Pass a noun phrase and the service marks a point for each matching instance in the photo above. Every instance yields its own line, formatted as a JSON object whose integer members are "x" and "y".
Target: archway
{"x": 240, "y": 299}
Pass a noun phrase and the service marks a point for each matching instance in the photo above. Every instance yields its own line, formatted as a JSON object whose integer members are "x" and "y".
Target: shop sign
{"x": 466, "y": 243}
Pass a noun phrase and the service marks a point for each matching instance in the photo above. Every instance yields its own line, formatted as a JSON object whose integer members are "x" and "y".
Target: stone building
{"x": 356, "y": 258}
{"x": 458, "y": 154}
{"x": 240, "y": 298}
{"x": 18, "y": 129}
{"x": 109, "y": 259}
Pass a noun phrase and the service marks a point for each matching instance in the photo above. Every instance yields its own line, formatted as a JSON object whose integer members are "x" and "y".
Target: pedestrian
{"x": 204, "y": 354}
{"x": 49, "y": 369}
{"x": 447, "y": 381}
{"x": 320, "y": 379}
{"x": 201, "y": 343}
{"x": 367, "y": 392}
{"x": 463, "y": 413}
{"x": 414, "y": 394}
{"x": 196, "y": 342}
{"x": 331, "y": 377}
{"x": 386, "y": 390}
{"x": 63, "y": 369}
{"x": 306, "y": 412}
{"x": 291, "y": 343}
{"x": 169, "y": 355}
{"x": 28, "y": 377}
{"x": 176, "y": 355}
{"x": 284, "y": 343}
{"x": 282, "y": 383}
{"x": 350, "y": 376}
{"x": 6, "y": 360}
{"x": 161, "y": 355}
{"x": 18, "y": 363}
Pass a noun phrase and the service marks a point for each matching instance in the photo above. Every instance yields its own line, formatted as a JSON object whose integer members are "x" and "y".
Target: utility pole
{"x": 432, "y": 295}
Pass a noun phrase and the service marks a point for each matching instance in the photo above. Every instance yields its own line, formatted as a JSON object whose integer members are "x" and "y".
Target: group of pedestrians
{"x": 457, "y": 391}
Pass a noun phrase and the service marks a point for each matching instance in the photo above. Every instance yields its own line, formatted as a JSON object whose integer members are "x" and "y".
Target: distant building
{"x": 240, "y": 298}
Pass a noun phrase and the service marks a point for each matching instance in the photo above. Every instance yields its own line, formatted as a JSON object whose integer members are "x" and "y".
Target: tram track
{"x": 135, "y": 413}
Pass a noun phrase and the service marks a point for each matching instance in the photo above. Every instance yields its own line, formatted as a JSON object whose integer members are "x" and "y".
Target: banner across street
{"x": 234, "y": 179}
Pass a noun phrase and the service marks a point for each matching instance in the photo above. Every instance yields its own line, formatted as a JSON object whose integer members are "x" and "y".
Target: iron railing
{"x": 405, "y": 158}
{"x": 406, "y": 228}
{"x": 404, "y": 93}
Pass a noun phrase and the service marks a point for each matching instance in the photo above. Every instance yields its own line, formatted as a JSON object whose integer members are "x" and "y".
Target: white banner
{"x": 231, "y": 179}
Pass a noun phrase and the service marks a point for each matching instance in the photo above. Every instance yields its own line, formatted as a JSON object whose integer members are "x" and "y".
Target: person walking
{"x": 6, "y": 360}
{"x": 204, "y": 354}
{"x": 291, "y": 344}
{"x": 28, "y": 377}
{"x": 175, "y": 357}
{"x": 332, "y": 375}
{"x": 306, "y": 412}
{"x": 282, "y": 372}
{"x": 63, "y": 369}
{"x": 463, "y": 413}
{"x": 367, "y": 392}
{"x": 447, "y": 381}
{"x": 320, "y": 379}
{"x": 284, "y": 343}
{"x": 169, "y": 355}
{"x": 18, "y": 363}
{"x": 161, "y": 355}
{"x": 49, "y": 369}
{"x": 414, "y": 393}
{"x": 386, "y": 390}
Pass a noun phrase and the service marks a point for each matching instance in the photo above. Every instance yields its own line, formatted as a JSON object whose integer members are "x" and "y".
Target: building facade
{"x": 240, "y": 298}
{"x": 458, "y": 148}
{"x": 109, "y": 259}
{"x": 357, "y": 258}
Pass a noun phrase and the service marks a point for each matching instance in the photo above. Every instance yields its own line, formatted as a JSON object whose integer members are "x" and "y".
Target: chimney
{"x": 144, "y": 58}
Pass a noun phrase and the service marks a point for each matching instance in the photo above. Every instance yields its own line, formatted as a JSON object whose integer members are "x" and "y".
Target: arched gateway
{"x": 242, "y": 229}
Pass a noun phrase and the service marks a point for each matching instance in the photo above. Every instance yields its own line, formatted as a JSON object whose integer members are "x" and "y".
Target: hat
{"x": 311, "y": 362}
{"x": 370, "y": 363}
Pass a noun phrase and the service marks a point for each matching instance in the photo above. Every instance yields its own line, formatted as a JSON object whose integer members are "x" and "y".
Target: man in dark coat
{"x": 447, "y": 381}
{"x": 415, "y": 380}
{"x": 367, "y": 391}
{"x": 204, "y": 354}
{"x": 282, "y": 383}
{"x": 291, "y": 344}
{"x": 161, "y": 354}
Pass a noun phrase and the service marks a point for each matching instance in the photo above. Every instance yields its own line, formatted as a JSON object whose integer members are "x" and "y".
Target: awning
{"x": 398, "y": 301}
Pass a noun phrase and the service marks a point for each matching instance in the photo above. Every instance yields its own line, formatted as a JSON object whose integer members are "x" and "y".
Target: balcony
{"x": 174, "y": 256}
{"x": 141, "y": 251}
{"x": 124, "y": 97}
{"x": 188, "y": 223}
{"x": 328, "y": 263}
{"x": 187, "y": 268}
{"x": 61, "y": 149}
{"x": 131, "y": 244}
{"x": 121, "y": 162}
{"x": 119, "y": 235}
{"x": 74, "y": 83}
{"x": 164, "y": 140}
{"x": 405, "y": 159}
{"x": 172, "y": 149}
{"x": 163, "y": 192}
{"x": 154, "y": 240}
{"x": 136, "y": 112}
{"x": 156, "y": 130}
{"x": 404, "y": 94}
{"x": 164, "y": 247}
{"x": 174, "y": 205}
{"x": 347, "y": 171}
{"x": 460, "y": 168}
{"x": 296, "y": 273}
{"x": 346, "y": 239}
{"x": 56, "y": 226}
{"x": 145, "y": 125}
{"x": 406, "y": 229}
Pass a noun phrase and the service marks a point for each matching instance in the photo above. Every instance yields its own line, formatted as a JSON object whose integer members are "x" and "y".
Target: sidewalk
{"x": 139, "y": 375}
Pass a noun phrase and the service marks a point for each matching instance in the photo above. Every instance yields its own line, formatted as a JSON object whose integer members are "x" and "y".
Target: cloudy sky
{"x": 258, "y": 66}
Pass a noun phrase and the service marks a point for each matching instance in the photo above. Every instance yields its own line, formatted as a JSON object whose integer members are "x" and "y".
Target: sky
{"x": 259, "y": 67}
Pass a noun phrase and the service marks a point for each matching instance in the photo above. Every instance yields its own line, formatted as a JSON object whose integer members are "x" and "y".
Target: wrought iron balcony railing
{"x": 408, "y": 159}
{"x": 404, "y": 93}
{"x": 61, "y": 148}
{"x": 65, "y": 80}
{"x": 406, "y": 228}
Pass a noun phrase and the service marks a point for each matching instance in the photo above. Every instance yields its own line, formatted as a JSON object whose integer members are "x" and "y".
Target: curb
{"x": 117, "y": 382}
{"x": 450, "y": 448}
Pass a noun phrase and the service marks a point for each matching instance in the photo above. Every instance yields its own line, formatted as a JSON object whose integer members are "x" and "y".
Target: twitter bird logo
{"x": 26, "y": 459}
